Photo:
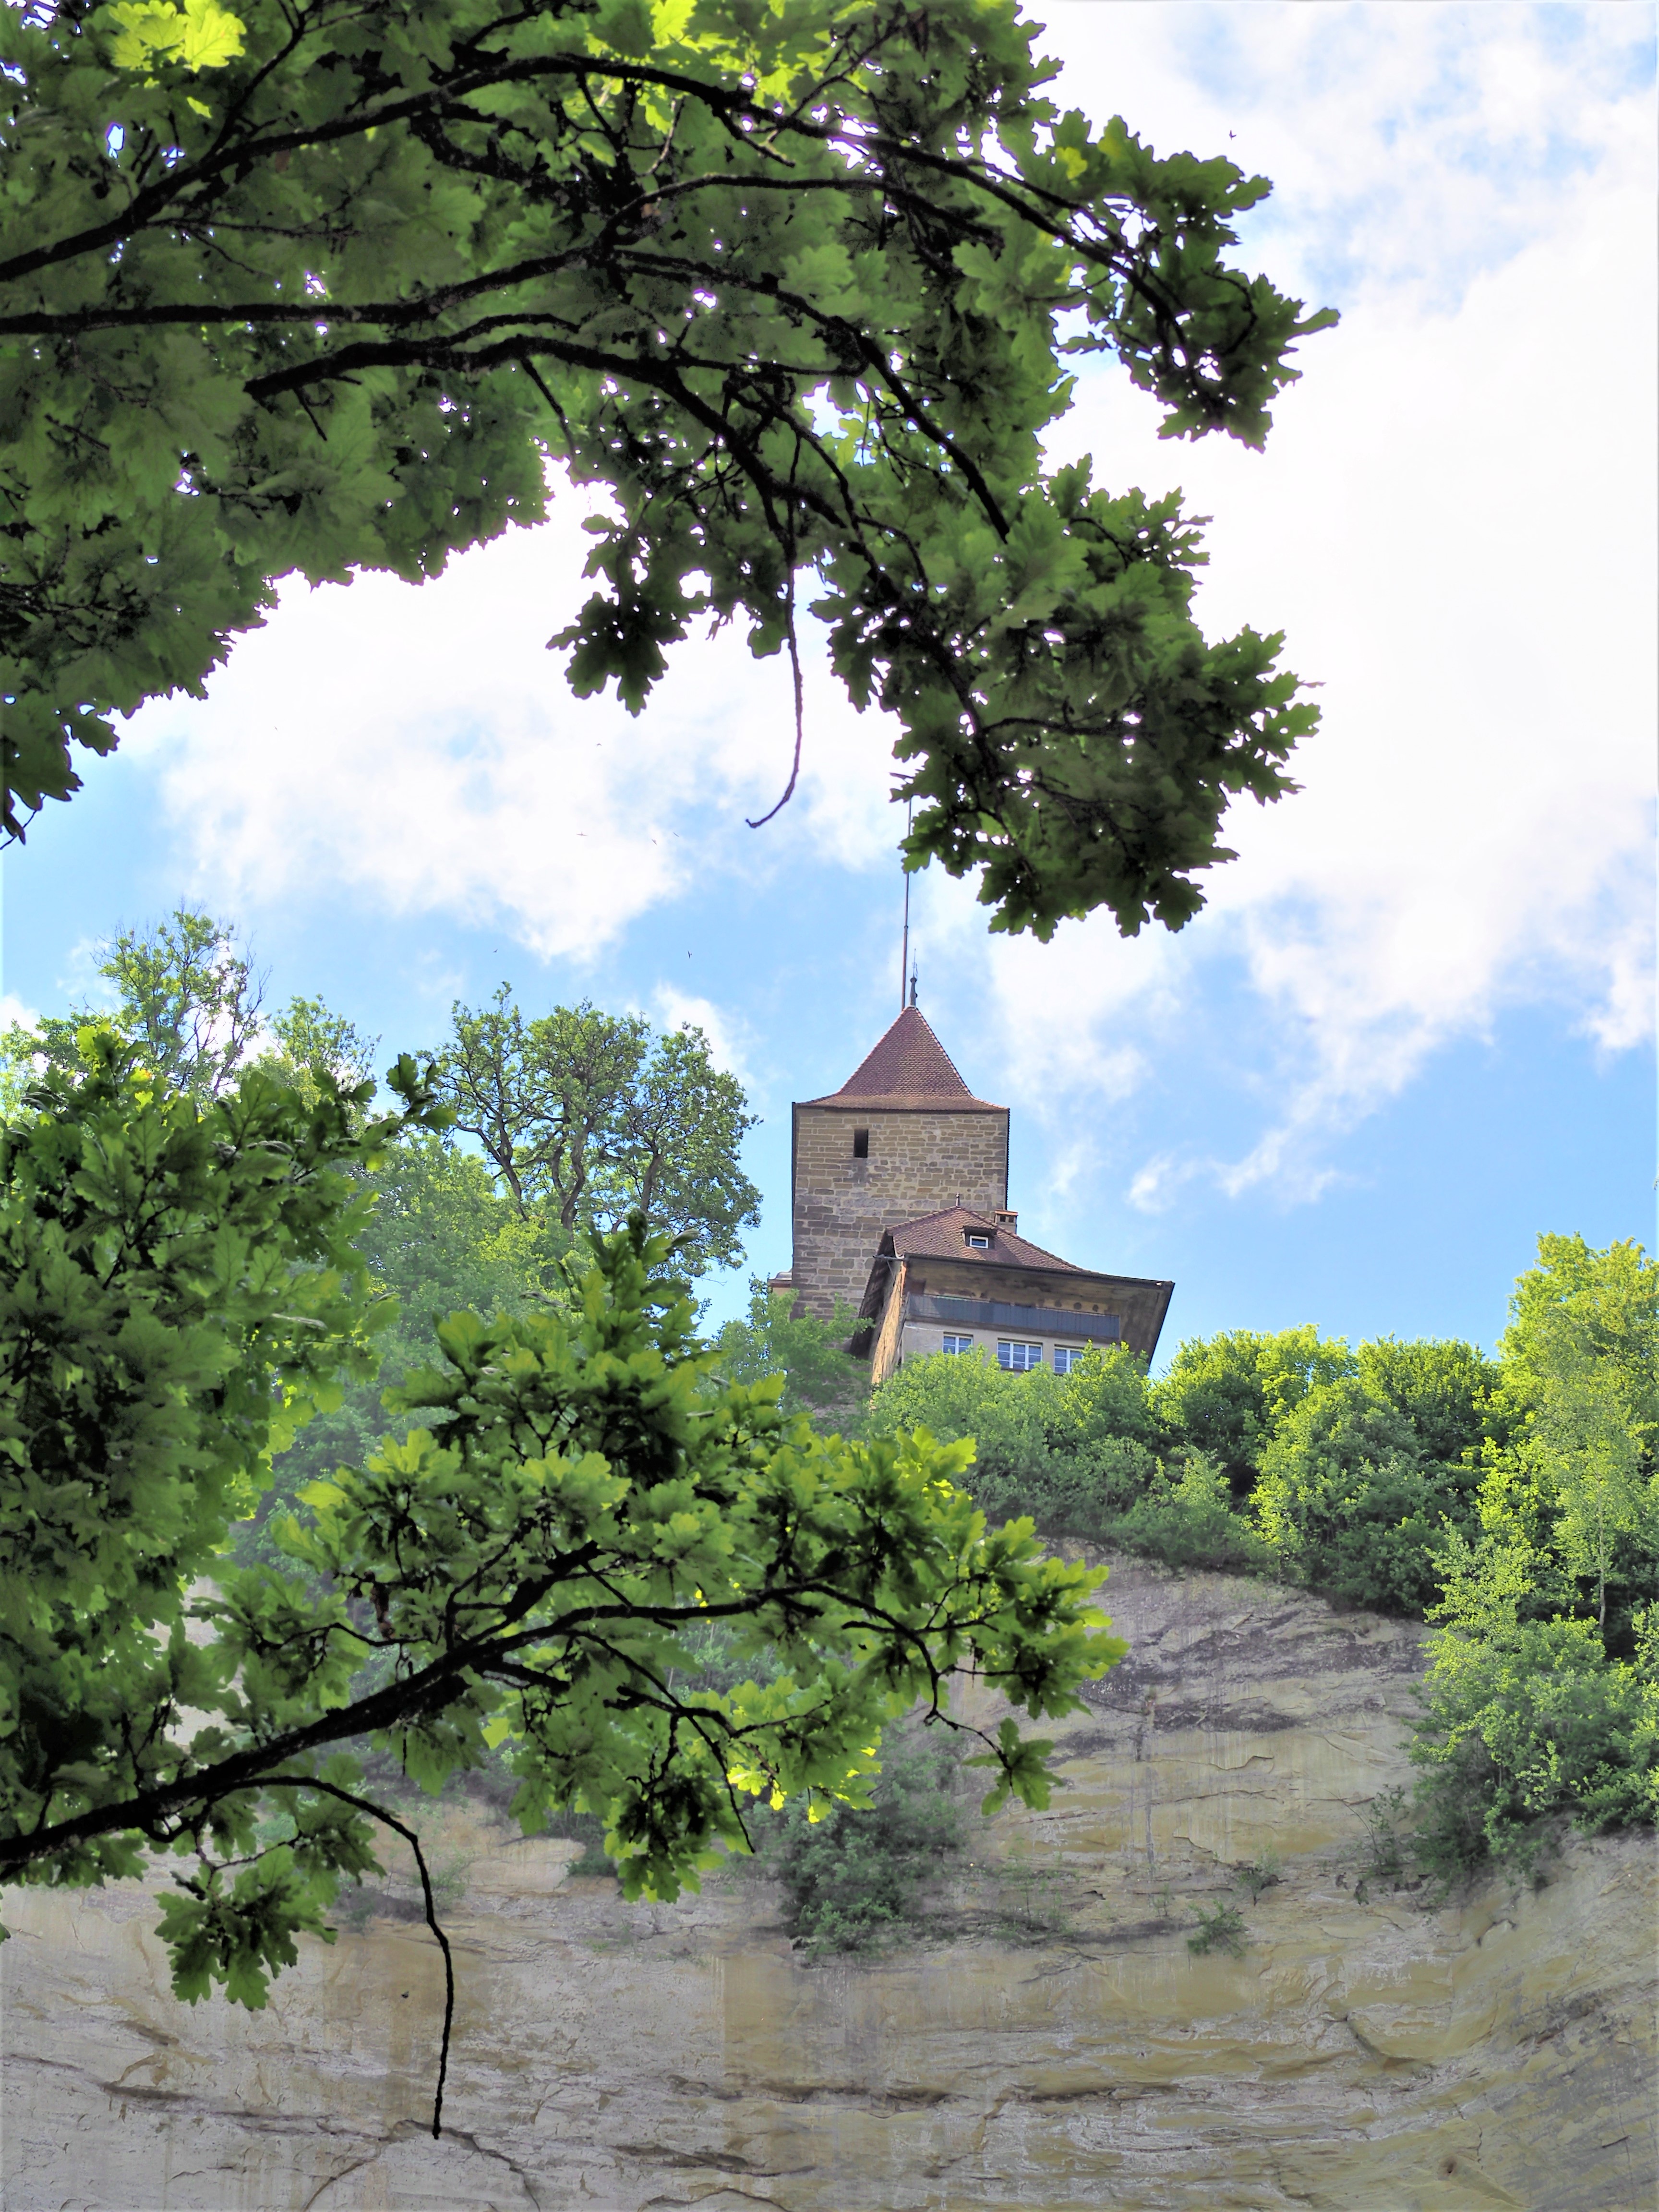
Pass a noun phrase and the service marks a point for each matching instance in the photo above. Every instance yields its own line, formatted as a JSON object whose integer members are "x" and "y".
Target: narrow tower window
{"x": 860, "y": 1144}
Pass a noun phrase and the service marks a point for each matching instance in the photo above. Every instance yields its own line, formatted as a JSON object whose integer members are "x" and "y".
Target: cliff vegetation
{"x": 1511, "y": 1501}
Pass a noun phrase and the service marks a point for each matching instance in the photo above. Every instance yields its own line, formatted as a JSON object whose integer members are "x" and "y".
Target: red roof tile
{"x": 909, "y": 1068}
{"x": 941, "y": 1237}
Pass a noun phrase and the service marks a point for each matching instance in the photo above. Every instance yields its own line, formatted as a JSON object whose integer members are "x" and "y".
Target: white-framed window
{"x": 1018, "y": 1358}
{"x": 980, "y": 1243}
{"x": 1068, "y": 1356}
{"x": 958, "y": 1343}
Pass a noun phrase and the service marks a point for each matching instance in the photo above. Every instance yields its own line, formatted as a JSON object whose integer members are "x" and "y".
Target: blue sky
{"x": 1414, "y": 1026}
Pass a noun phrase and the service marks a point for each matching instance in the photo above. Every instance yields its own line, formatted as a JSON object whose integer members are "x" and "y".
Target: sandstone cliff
{"x": 1064, "y": 2050}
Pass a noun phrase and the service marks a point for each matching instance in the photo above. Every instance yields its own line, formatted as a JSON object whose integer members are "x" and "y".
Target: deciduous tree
{"x": 1361, "y": 1479}
{"x": 1581, "y": 1475}
{"x": 181, "y": 992}
{"x": 1227, "y": 1395}
{"x": 809, "y": 1355}
{"x": 589, "y": 1117}
{"x": 178, "y": 1284}
{"x": 318, "y": 285}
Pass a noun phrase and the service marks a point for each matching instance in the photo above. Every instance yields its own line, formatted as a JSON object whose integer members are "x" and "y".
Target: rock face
{"x": 1065, "y": 2050}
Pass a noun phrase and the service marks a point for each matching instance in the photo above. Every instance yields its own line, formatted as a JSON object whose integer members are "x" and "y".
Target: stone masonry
{"x": 919, "y": 1160}
{"x": 903, "y": 1164}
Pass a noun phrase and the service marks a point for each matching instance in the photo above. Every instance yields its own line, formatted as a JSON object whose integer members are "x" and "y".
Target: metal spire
{"x": 905, "y": 954}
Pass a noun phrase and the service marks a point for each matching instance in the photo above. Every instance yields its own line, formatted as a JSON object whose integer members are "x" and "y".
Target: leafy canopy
{"x": 181, "y": 991}
{"x": 1361, "y": 1478}
{"x": 1541, "y": 1700}
{"x": 531, "y": 1567}
{"x": 588, "y": 1117}
{"x": 1071, "y": 1450}
{"x": 1227, "y": 1395}
{"x": 329, "y": 284}
{"x": 179, "y": 1290}
{"x": 189, "y": 999}
{"x": 808, "y": 1354}
{"x": 440, "y": 1238}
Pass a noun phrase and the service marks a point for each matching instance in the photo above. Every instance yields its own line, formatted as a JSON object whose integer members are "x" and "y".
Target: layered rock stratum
{"x": 1058, "y": 2045}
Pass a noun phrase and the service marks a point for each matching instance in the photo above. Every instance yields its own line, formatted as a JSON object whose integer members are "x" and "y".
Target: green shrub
{"x": 1008, "y": 1416}
{"x": 1386, "y": 1845}
{"x": 1222, "y": 1929}
{"x": 856, "y": 1880}
{"x": 1227, "y": 1395}
{"x": 1072, "y": 1451}
{"x": 1032, "y": 1904}
{"x": 1526, "y": 1719}
{"x": 1189, "y": 1520}
{"x": 1261, "y": 1873}
{"x": 1363, "y": 1477}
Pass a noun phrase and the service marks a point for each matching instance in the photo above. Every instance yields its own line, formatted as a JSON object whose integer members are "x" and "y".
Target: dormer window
{"x": 977, "y": 1239}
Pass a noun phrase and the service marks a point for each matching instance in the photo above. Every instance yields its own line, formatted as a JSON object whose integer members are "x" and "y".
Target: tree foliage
{"x": 188, "y": 999}
{"x": 1074, "y": 1451}
{"x": 181, "y": 992}
{"x": 588, "y": 1118}
{"x": 308, "y": 1040}
{"x": 854, "y": 1879}
{"x": 329, "y": 284}
{"x": 1525, "y": 1717}
{"x": 179, "y": 1290}
{"x": 439, "y": 1238}
{"x": 1542, "y": 1694}
{"x": 1582, "y": 1371}
{"x": 808, "y": 1354}
{"x": 1360, "y": 1478}
{"x": 179, "y": 1287}
{"x": 1227, "y": 1395}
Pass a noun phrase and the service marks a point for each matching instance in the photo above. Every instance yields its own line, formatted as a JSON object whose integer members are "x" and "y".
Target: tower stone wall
{"x": 918, "y": 1160}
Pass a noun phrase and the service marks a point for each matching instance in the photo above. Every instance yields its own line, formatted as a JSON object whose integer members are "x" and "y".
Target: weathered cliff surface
{"x": 1064, "y": 2050}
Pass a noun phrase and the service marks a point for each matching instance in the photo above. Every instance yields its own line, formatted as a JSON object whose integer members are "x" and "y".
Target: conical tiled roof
{"x": 909, "y": 1068}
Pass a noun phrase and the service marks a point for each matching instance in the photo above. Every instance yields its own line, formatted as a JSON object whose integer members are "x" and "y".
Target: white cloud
{"x": 1625, "y": 1017}
{"x": 730, "y": 1040}
{"x": 1453, "y": 522}
{"x": 423, "y": 747}
{"x": 1408, "y": 146}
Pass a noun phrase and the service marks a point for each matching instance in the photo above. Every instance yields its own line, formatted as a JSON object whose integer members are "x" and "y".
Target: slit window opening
{"x": 860, "y": 1144}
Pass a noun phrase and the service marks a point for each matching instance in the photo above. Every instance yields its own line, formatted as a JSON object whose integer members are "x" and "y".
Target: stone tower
{"x": 903, "y": 1136}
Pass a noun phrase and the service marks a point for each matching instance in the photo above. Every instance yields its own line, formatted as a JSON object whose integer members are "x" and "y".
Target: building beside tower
{"x": 899, "y": 1200}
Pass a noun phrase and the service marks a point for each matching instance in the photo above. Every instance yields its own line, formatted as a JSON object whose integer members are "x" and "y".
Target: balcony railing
{"x": 1034, "y": 1320}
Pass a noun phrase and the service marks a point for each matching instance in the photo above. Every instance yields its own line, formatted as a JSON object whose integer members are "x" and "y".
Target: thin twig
{"x": 380, "y": 1813}
{"x": 801, "y": 704}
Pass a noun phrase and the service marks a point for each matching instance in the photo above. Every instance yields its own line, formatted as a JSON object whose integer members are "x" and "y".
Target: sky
{"x": 1414, "y": 1027}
